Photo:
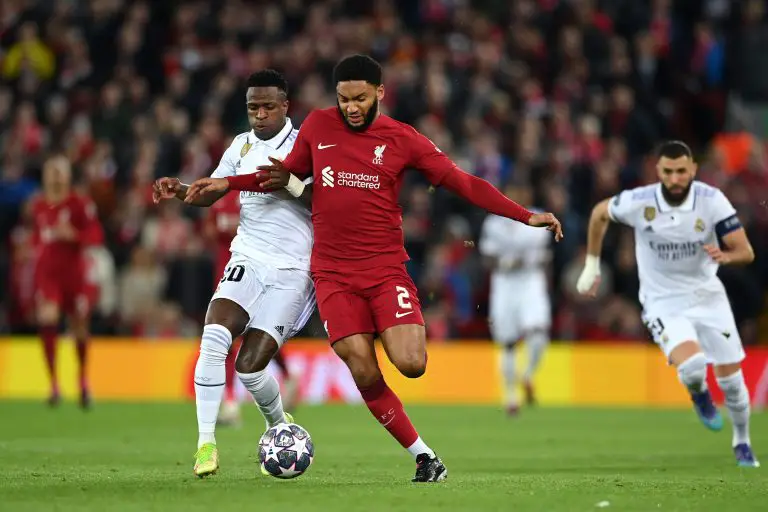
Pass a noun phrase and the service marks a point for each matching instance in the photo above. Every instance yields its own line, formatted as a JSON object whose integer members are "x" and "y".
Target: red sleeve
{"x": 298, "y": 161}
{"x": 481, "y": 193}
{"x": 428, "y": 159}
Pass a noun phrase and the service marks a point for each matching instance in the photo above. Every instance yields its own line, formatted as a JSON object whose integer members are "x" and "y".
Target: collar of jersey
{"x": 275, "y": 141}
{"x": 687, "y": 205}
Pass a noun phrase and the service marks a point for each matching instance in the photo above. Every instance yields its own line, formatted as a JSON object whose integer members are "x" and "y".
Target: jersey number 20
{"x": 233, "y": 274}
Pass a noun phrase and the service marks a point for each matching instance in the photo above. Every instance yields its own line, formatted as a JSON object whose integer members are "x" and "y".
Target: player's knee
{"x": 226, "y": 313}
{"x": 693, "y": 370}
{"x": 412, "y": 366}
{"x": 47, "y": 314}
{"x": 215, "y": 344}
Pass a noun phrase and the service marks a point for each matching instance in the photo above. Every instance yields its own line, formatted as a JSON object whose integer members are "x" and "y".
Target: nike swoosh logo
{"x": 325, "y": 146}
{"x": 401, "y": 315}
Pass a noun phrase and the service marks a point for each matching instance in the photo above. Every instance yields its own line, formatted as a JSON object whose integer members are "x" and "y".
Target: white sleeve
{"x": 623, "y": 208}
{"x": 724, "y": 215}
{"x": 228, "y": 162}
{"x": 489, "y": 241}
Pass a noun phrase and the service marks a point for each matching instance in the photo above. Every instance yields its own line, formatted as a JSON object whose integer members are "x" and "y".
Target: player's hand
{"x": 723, "y": 258}
{"x": 589, "y": 280}
{"x": 204, "y": 186}
{"x": 276, "y": 175}
{"x": 165, "y": 188}
{"x": 548, "y": 220}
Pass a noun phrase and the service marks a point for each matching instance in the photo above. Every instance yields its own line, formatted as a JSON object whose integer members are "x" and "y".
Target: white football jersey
{"x": 274, "y": 228}
{"x": 508, "y": 239}
{"x": 672, "y": 265}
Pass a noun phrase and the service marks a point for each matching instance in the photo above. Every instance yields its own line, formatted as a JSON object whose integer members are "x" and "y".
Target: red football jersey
{"x": 64, "y": 256}
{"x": 357, "y": 178}
{"x": 222, "y": 220}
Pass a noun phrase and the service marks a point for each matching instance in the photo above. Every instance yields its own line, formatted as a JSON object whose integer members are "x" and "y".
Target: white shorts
{"x": 514, "y": 315}
{"x": 278, "y": 301}
{"x": 710, "y": 323}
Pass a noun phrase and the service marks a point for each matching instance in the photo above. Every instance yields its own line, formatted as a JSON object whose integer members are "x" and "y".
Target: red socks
{"x": 49, "y": 336}
{"x": 81, "y": 346}
{"x": 387, "y": 408}
{"x": 229, "y": 386}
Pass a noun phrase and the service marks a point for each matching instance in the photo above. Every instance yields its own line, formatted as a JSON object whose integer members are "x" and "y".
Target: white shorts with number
{"x": 278, "y": 301}
{"x": 711, "y": 323}
{"x": 517, "y": 312}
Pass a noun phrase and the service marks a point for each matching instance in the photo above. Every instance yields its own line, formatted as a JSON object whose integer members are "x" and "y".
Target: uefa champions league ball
{"x": 286, "y": 450}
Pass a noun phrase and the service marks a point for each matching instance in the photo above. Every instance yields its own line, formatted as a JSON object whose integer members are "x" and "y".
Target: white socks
{"x": 508, "y": 371}
{"x": 693, "y": 373}
{"x": 210, "y": 377}
{"x": 737, "y": 401}
{"x": 266, "y": 393}
{"x": 536, "y": 343}
{"x": 419, "y": 447}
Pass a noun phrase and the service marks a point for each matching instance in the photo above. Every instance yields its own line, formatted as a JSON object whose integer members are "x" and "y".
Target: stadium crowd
{"x": 567, "y": 97}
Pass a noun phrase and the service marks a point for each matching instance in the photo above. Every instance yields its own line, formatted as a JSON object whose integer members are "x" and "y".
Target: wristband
{"x": 295, "y": 186}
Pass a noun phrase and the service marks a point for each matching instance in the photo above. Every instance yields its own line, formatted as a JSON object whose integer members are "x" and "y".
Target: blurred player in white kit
{"x": 519, "y": 303}
{"x": 684, "y": 230}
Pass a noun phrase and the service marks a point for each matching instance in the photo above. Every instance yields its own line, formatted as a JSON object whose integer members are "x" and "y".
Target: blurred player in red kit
{"x": 220, "y": 227}
{"x": 357, "y": 157}
{"x": 65, "y": 224}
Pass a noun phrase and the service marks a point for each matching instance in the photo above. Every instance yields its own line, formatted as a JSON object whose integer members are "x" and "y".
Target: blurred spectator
{"x": 567, "y": 96}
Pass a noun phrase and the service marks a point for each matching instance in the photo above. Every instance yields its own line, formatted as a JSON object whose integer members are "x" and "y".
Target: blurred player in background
{"x": 65, "y": 224}
{"x": 363, "y": 288}
{"x": 220, "y": 227}
{"x": 519, "y": 302}
{"x": 265, "y": 292}
{"x": 684, "y": 230}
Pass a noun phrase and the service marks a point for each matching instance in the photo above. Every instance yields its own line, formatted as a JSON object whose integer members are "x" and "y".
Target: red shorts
{"x": 366, "y": 301}
{"x": 71, "y": 293}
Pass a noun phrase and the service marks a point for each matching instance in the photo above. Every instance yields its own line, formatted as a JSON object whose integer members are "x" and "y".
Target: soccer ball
{"x": 286, "y": 450}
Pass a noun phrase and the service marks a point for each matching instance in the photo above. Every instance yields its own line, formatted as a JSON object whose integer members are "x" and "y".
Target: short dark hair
{"x": 358, "y": 67}
{"x": 268, "y": 78}
{"x": 674, "y": 149}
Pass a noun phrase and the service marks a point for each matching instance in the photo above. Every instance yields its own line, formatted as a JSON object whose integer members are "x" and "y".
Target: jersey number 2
{"x": 233, "y": 274}
{"x": 403, "y": 299}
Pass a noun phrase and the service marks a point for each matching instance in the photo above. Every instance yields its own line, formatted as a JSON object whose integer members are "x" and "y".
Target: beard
{"x": 369, "y": 117}
{"x": 675, "y": 198}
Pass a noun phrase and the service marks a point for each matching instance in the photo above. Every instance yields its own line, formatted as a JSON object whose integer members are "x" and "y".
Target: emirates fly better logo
{"x": 332, "y": 178}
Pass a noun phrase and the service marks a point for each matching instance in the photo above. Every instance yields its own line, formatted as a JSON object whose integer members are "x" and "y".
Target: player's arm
{"x": 589, "y": 280}
{"x": 441, "y": 170}
{"x": 169, "y": 188}
{"x": 736, "y": 249}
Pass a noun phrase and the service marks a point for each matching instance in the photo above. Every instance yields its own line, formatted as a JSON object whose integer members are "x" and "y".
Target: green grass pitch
{"x": 139, "y": 457}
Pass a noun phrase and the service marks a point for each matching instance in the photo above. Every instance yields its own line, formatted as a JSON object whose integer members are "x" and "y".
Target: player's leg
{"x": 258, "y": 349}
{"x": 677, "y": 337}
{"x": 224, "y": 321}
{"x": 290, "y": 382}
{"x": 535, "y": 318}
{"x": 48, "y": 315}
{"x": 721, "y": 341}
{"x": 505, "y": 330}
{"x": 80, "y": 323}
{"x": 229, "y": 415}
{"x": 277, "y": 316}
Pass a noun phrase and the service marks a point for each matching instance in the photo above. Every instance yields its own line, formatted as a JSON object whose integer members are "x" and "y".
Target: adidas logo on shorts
{"x": 280, "y": 329}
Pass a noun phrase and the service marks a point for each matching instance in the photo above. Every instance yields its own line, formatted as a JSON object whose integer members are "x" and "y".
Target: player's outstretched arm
{"x": 481, "y": 193}
{"x": 169, "y": 188}
{"x": 589, "y": 280}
